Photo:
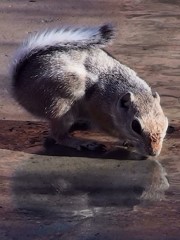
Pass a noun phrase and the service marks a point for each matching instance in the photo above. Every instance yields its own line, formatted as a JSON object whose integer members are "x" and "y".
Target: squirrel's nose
{"x": 154, "y": 153}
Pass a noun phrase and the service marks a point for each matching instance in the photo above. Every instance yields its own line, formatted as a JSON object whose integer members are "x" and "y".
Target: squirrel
{"x": 65, "y": 74}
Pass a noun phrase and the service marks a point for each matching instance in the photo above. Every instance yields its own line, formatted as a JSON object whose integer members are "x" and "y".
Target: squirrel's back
{"x": 49, "y": 66}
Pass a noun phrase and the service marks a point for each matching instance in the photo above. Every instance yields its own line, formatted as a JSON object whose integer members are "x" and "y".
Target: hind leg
{"x": 60, "y": 126}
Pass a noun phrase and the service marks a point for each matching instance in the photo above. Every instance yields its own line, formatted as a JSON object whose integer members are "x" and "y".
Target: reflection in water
{"x": 76, "y": 188}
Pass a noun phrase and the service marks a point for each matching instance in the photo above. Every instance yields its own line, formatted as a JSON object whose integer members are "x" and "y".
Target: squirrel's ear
{"x": 156, "y": 95}
{"x": 126, "y": 99}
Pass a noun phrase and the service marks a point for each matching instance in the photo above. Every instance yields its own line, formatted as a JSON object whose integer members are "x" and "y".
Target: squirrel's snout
{"x": 154, "y": 153}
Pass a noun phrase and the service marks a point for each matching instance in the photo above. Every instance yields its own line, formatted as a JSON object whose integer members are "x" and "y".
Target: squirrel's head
{"x": 141, "y": 120}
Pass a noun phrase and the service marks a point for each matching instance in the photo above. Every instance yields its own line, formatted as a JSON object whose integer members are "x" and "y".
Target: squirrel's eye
{"x": 136, "y": 127}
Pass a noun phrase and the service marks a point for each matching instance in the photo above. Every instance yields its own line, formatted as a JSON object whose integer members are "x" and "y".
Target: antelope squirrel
{"x": 65, "y": 74}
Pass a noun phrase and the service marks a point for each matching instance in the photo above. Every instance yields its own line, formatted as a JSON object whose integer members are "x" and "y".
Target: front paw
{"x": 92, "y": 146}
{"x": 49, "y": 141}
{"x": 128, "y": 144}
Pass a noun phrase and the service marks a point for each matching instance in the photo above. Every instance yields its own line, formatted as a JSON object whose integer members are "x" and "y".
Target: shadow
{"x": 32, "y": 137}
{"x": 119, "y": 153}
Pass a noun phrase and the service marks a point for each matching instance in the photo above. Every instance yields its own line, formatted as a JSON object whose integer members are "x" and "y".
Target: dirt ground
{"x": 51, "y": 192}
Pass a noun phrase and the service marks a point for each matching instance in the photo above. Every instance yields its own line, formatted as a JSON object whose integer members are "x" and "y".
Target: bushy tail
{"x": 69, "y": 37}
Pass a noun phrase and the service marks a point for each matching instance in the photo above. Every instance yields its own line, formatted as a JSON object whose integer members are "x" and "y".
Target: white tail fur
{"x": 69, "y": 37}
